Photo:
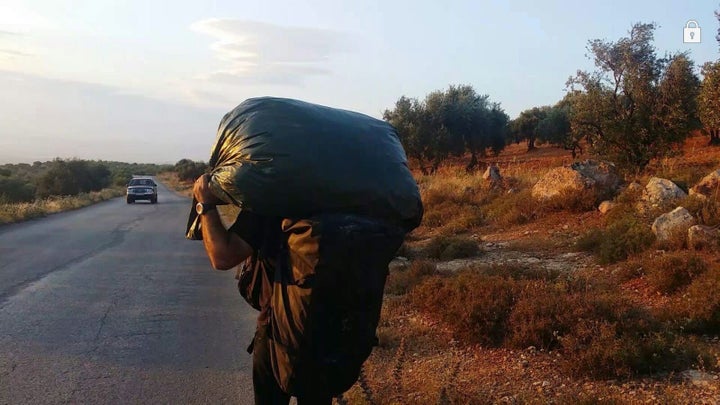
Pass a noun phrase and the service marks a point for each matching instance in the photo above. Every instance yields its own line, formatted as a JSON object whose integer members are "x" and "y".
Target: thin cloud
{"x": 262, "y": 53}
{"x": 4, "y": 33}
{"x": 11, "y": 37}
{"x": 14, "y": 54}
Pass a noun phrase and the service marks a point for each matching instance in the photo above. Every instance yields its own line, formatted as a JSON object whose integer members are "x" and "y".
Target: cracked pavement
{"x": 110, "y": 304}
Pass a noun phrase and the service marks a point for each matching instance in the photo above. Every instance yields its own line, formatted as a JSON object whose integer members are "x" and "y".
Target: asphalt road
{"x": 110, "y": 304}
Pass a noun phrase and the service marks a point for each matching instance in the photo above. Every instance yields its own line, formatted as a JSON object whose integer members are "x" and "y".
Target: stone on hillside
{"x": 635, "y": 187}
{"x": 709, "y": 186}
{"x": 661, "y": 192}
{"x": 492, "y": 174}
{"x": 589, "y": 174}
{"x": 606, "y": 206}
{"x": 703, "y": 237}
{"x": 673, "y": 224}
{"x": 699, "y": 379}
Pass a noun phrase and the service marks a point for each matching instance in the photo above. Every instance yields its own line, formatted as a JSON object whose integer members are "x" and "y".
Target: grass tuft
{"x": 402, "y": 280}
{"x": 452, "y": 247}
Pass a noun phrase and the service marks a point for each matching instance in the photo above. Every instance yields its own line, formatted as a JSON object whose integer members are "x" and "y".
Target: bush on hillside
{"x": 402, "y": 280}
{"x": 476, "y": 306}
{"x": 670, "y": 272}
{"x": 72, "y": 177}
{"x": 15, "y": 191}
{"x": 700, "y": 304}
{"x": 624, "y": 236}
{"x": 187, "y": 170}
{"x": 452, "y": 247}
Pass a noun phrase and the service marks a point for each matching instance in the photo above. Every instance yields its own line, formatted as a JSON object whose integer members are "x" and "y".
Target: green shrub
{"x": 188, "y": 170}
{"x": 598, "y": 350}
{"x": 629, "y": 270}
{"x": 476, "y": 306}
{"x": 700, "y": 304}
{"x": 541, "y": 315}
{"x": 121, "y": 178}
{"x": 668, "y": 273}
{"x": 626, "y": 235}
{"x": 453, "y": 247}
{"x": 15, "y": 190}
{"x": 611, "y": 337}
{"x": 72, "y": 177}
{"x": 402, "y": 280}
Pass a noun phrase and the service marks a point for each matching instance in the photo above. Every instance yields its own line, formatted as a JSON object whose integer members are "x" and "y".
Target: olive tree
{"x": 635, "y": 106}
{"x": 448, "y": 123}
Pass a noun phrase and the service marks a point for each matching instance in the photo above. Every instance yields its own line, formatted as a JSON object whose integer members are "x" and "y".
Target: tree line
{"x": 27, "y": 182}
{"x": 449, "y": 123}
{"x": 635, "y": 107}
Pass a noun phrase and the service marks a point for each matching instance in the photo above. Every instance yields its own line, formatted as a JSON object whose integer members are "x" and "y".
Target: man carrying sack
{"x": 326, "y": 199}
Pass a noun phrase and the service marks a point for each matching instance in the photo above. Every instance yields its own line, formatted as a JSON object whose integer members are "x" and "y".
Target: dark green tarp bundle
{"x": 293, "y": 159}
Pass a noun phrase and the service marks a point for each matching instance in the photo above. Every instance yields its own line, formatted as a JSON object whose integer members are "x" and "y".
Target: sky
{"x": 148, "y": 81}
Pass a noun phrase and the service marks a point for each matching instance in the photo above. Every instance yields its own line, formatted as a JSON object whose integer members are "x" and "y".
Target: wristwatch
{"x": 202, "y": 208}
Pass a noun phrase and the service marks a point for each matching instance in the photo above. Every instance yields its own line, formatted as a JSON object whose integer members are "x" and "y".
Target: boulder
{"x": 709, "y": 186}
{"x": 699, "y": 379}
{"x": 492, "y": 174}
{"x": 703, "y": 237}
{"x": 606, "y": 206}
{"x": 589, "y": 174}
{"x": 660, "y": 193}
{"x": 675, "y": 223}
{"x": 635, "y": 187}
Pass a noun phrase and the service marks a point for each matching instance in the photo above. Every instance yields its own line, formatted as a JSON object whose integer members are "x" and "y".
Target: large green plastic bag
{"x": 293, "y": 159}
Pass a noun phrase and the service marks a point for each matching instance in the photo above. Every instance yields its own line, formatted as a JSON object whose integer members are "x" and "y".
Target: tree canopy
{"x": 709, "y": 97}
{"x": 449, "y": 123}
{"x": 635, "y": 106}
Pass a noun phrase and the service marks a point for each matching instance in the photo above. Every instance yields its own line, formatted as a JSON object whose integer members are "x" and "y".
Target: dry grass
{"x": 170, "y": 179}
{"x": 10, "y": 213}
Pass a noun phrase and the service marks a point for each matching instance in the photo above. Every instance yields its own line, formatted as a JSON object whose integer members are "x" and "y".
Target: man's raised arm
{"x": 225, "y": 249}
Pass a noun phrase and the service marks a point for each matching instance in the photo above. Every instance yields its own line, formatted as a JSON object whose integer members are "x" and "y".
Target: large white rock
{"x": 606, "y": 206}
{"x": 635, "y": 187}
{"x": 673, "y": 224}
{"x": 589, "y": 174}
{"x": 492, "y": 174}
{"x": 661, "y": 192}
{"x": 709, "y": 186}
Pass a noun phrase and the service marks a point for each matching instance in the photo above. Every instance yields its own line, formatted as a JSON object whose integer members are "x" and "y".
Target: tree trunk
{"x": 423, "y": 169}
{"x": 435, "y": 166}
{"x": 714, "y": 137}
{"x": 531, "y": 144}
{"x": 473, "y": 162}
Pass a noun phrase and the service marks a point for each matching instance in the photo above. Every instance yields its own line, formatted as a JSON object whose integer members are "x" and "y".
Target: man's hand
{"x": 202, "y": 193}
{"x": 225, "y": 249}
